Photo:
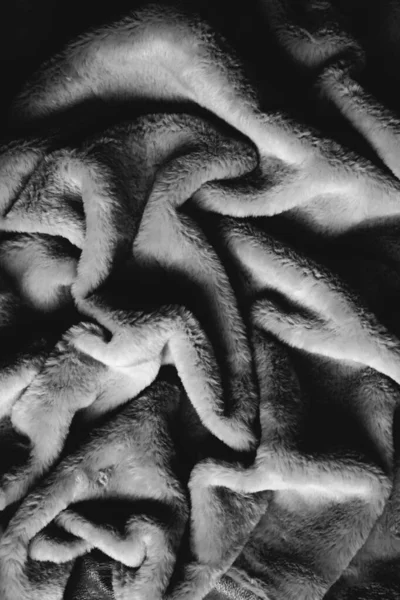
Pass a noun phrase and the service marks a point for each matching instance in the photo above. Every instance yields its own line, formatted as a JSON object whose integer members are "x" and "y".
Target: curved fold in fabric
{"x": 130, "y": 458}
{"x": 199, "y": 311}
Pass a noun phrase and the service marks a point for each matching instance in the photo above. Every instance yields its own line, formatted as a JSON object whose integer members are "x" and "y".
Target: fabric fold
{"x": 117, "y": 460}
{"x": 198, "y": 309}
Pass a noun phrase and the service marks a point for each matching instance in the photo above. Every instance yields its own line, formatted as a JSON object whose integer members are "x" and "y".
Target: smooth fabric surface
{"x": 199, "y": 263}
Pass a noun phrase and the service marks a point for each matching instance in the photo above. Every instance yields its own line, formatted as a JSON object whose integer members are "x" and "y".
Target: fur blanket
{"x": 199, "y": 258}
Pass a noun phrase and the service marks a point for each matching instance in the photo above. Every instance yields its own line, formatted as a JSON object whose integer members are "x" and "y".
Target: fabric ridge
{"x": 199, "y": 270}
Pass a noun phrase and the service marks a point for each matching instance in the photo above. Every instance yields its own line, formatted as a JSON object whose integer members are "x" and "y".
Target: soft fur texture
{"x": 199, "y": 305}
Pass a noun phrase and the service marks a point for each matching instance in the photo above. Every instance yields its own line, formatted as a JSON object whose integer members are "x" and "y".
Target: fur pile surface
{"x": 199, "y": 270}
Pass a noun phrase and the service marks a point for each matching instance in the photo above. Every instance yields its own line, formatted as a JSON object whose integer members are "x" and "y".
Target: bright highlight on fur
{"x": 199, "y": 376}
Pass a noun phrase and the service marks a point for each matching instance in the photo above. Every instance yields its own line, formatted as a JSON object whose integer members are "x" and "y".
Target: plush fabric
{"x": 199, "y": 262}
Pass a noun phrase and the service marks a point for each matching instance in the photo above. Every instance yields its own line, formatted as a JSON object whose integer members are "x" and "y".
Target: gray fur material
{"x": 199, "y": 296}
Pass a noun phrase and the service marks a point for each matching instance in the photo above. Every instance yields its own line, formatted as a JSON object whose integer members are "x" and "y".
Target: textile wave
{"x": 200, "y": 360}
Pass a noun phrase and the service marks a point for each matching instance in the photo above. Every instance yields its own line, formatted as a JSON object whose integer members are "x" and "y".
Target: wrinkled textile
{"x": 199, "y": 279}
